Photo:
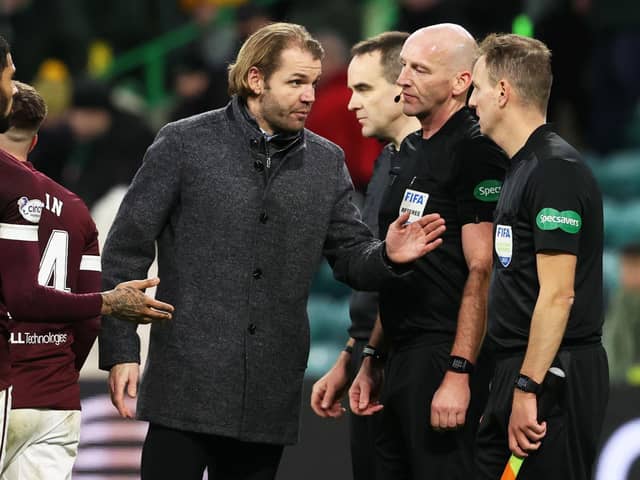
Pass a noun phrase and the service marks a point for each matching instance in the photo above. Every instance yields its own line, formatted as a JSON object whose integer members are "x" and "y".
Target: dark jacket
{"x": 363, "y": 307}
{"x": 237, "y": 247}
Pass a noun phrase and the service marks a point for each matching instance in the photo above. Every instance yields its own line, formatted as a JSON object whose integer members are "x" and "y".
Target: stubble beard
{"x": 419, "y": 112}
{"x": 275, "y": 115}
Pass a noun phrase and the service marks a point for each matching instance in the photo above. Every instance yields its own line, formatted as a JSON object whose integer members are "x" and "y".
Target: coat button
{"x": 251, "y": 328}
{"x": 258, "y": 165}
{"x": 257, "y": 273}
{"x": 264, "y": 217}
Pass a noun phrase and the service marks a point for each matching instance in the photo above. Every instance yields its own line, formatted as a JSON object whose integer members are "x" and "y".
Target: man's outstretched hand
{"x": 406, "y": 242}
{"x": 128, "y": 302}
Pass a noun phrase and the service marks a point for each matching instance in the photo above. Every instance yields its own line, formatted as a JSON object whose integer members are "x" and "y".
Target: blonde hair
{"x": 525, "y": 62}
{"x": 263, "y": 50}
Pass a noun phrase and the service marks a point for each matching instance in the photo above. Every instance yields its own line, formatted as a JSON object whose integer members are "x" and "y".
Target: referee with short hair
{"x": 545, "y": 300}
{"x": 433, "y": 319}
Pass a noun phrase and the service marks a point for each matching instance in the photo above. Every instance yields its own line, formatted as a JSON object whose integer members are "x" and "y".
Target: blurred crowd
{"x": 101, "y": 123}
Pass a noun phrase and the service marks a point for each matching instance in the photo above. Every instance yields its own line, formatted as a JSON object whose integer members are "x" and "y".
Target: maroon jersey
{"x": 46, "y": 358}
{"x": 30, "y": 209}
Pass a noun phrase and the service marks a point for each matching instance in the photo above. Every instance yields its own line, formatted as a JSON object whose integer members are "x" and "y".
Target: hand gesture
{"x": 329, "y": 390}
{"x": 525, "y": 433}
{"x": 365, "y": 389}
{"x": 123, "y": 376}
{"x": 450, "y": 402}
{"x": 128, "y": 302}
{"x": 406, "y": 242}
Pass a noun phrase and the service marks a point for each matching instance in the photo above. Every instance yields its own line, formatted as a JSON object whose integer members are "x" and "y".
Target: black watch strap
{"x": 460, "y": 364}
{"x": 527, "y": 384}
{"x": 369, "y": 351}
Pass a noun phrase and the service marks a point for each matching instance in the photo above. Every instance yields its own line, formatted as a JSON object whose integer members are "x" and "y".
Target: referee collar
{"x": 534, "y": 141}
{"x": 455, "y": 121}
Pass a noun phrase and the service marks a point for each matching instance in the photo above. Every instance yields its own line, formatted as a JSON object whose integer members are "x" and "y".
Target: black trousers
{"x": 407, "y": 446}
{"x": 362, "y": 430}
{"x": 169, "y": 453}
{"x": 574, "y": 424}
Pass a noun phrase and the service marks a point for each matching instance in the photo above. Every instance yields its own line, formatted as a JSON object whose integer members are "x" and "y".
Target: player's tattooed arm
{"x": 128, "y": 302}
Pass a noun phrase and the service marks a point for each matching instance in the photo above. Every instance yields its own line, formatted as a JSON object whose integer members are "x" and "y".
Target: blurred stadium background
{"x": 114, "y": 71}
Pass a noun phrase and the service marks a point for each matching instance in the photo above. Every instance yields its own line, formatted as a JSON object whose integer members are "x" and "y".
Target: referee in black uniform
{"x": 372, "y": 74}
{"x": 545, "y": 300}
{"x": 434, "y": 318}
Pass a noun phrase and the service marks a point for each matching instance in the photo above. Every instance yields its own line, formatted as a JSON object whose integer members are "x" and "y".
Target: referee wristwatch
{"x": 527, "y": 384}
{"x": 460, "y": 365}
{"x": 370, "y": 351}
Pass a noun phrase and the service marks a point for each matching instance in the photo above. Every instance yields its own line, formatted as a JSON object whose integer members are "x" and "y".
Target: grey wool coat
{"x": 238, "y": 244}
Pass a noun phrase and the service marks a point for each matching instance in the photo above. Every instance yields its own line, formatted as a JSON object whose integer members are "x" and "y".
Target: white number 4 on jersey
{"x": 53, "y": 265}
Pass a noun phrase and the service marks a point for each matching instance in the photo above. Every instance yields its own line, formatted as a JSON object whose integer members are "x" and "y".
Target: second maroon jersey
{"x": 47, "y": 356}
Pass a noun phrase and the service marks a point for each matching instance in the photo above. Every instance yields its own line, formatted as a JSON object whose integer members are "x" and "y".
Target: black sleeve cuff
{"x": 396, "y": 268}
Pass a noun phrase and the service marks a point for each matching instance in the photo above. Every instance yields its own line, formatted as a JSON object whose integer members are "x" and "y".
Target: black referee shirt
{"x": 550, "y": 202}
{"x": 457, "y": 173}
{"x": 363, "y": 307}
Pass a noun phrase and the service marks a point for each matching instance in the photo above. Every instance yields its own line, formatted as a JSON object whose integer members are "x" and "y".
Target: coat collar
{"x": 238, "y": 112}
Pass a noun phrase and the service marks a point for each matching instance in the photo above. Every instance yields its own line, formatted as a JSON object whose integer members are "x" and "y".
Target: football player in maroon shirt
{"x": 26, "y": 206}
{"x": 46, "y": 358}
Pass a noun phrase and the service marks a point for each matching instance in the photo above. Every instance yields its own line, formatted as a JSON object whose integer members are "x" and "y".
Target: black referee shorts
{"x": 568, "y": 450}
{"x": 407, "y": 447}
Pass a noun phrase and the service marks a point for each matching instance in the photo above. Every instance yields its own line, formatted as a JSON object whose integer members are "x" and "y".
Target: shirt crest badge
{"x": 31, "y": 210}
{"x": 504, "y": 244}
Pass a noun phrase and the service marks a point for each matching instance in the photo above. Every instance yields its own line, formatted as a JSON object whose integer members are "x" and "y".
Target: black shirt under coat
{"x": 363, "y": 306}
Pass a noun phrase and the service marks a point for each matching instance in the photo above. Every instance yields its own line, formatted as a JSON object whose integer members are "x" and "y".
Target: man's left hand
{"x": 525, "y": 433}
{"x": 450, "y": 402}
{"x": 406, "y": 242}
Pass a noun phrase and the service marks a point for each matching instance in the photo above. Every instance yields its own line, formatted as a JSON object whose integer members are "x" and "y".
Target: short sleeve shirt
{"x": 550, "y": 202}
{"x": 457, "y": 173}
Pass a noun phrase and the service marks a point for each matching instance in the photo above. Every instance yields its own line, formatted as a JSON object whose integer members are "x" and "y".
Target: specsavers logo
{"x": 551, "y": 219}
{"x": 488, "y": 190}
{"x": 31, "y": 210}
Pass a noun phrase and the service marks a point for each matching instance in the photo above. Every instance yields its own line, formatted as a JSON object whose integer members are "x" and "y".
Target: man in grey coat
{"x": 243, "y": 202}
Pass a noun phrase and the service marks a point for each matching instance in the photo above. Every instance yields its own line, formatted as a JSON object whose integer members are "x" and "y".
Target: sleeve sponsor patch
{"x": 551, "y": 219}
{"x": 488, "y": 190}
{"x": 31, "y": 210}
